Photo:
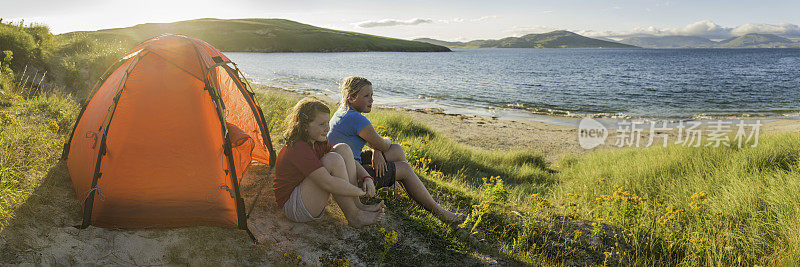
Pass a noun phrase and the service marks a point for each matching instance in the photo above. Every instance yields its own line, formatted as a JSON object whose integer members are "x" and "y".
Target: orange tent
{"x": 164, "y": 139}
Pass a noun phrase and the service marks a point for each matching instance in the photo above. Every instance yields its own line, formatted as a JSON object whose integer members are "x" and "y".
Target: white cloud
{"x": 611, "y": 8}
{"x": 547, "y": 12}
{"x": 700, "y": 28}
{"x": 591, "y": 33}
{"x": 485, "y": 18}
{"x": 392, "y": 22}
{"x": 784, "y": 29}
{"x": 455, "y": 20}
{"x": 523, "y": 30}
{"x": 703, "y": 28}
{"x": 460, "y": 20}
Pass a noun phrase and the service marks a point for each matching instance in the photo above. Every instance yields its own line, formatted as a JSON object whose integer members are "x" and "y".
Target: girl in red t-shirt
{"x": 308, "y": 170}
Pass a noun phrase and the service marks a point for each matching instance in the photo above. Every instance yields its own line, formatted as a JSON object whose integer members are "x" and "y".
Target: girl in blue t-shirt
{"x": 386, "y": 162}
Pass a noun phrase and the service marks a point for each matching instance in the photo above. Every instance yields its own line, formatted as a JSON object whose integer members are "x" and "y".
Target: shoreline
{"x": 549, "y": 116}
{"x": 553, "y": 136}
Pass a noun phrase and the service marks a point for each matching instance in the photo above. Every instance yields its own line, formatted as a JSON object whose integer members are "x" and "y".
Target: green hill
{"x": 262, "y": 35}
{"x": 757, "y": 40}
{"x": 752, "y": 40}
{"x": 554, "y": 39}
{"x": 440, "y": 42}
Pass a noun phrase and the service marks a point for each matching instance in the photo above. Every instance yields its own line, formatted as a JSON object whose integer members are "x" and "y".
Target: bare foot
{"x": 374, "y": 207}
{"x": 449, "y": 217}
{"x": 364, "y": 218}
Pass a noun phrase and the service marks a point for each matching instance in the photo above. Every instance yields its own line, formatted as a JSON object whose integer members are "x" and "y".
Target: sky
{"x": 449, "y": 20}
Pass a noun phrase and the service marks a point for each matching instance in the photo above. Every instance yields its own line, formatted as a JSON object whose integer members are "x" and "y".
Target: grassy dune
{"x": 673, "y": 205}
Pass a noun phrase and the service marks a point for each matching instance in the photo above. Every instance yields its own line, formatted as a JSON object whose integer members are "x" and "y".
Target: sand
{"x": 553, "y": 141}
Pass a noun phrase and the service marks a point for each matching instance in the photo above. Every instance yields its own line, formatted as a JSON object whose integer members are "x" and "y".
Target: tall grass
{"x": 31, "y": 134}
{"x": 707, "y": 206}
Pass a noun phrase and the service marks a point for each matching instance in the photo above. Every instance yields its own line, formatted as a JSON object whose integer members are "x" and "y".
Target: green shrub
{"x": 21, "y": 44}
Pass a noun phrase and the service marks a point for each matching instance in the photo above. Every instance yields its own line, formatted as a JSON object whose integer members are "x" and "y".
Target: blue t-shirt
{"x": 345, "y": 125}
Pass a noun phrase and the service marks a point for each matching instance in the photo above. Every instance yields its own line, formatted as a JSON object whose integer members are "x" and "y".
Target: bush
{"x": 29, "y": 44}
{"x": 83, "y": 60}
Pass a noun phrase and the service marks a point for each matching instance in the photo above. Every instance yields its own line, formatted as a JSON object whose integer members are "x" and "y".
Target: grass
{"x": 31, "y": 134}
{"x": 698, "y": 206}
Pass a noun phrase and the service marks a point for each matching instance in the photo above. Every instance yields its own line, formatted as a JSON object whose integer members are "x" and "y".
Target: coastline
{"x": 552, "y": 135}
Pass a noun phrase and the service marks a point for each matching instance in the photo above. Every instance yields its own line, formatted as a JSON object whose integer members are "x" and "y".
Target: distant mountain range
{"x": 752, "y": 40}
{"x": 566, "y": 39}
{"x": 554, "y": 39}
{"x": 261, "y": 35}
{"x": 280, "y": 35}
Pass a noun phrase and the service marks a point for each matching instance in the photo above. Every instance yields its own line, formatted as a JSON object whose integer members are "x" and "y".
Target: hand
{"x": 369, "y": 187}
{"x": 379, "y": 163}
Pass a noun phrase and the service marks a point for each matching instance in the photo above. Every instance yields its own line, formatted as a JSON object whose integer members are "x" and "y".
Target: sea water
{"x": 515, "y": 83}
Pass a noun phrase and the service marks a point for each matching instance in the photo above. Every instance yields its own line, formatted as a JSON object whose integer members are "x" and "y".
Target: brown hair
{"x": 297, "y": 121}
{"x": 350, "y": 87}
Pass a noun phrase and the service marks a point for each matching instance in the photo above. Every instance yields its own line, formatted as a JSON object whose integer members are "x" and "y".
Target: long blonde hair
{"x": 350, "y": 87}
{"x": 297, "y": 121}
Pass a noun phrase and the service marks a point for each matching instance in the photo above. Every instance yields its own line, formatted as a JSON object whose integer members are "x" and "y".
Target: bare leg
{"x": 347, "y": 154}
{"x": 316, "y": 198}
{"x": 395, "y": 153}
{"x": 417, "y": 191}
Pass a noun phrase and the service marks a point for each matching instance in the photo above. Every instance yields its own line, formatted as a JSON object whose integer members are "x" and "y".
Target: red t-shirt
{"x": 293, "y": 165}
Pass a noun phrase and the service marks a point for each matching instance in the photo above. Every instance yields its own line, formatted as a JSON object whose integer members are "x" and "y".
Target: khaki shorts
{"x": 296, "y": 211}
{"x": 388, "y": 177}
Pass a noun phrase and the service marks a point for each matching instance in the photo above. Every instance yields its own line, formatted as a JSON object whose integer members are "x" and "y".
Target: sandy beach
{"x": 553, "y": 140}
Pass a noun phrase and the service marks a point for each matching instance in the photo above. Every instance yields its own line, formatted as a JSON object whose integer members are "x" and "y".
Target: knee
{"x": 343, "y": 149}
{"x": 396, "y": 153}
{"x": 396, "y": 148}
{"x": 332, "y": 161}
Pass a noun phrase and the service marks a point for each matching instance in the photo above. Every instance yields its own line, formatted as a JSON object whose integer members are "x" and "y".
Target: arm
{"x": 337, "y": 186}
{"x": 360, "y": 171}
{"x": 374, "y": 139}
